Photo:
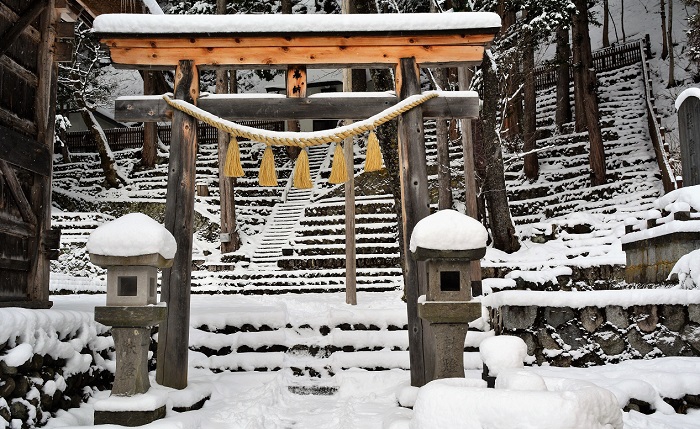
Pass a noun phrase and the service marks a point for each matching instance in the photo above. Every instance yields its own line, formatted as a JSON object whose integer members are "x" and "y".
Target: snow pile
{"x": 134, "y": 234}
{"x": 502, "y": 352}
{"x": 448, "y": 230}
{"x": 600, "y": 298}
{"x": 452, "y": 403}
{"x": 687, "y": 271}
{"x": 690, "y": 195}
{"x": 689, "y": 92}
{"x": 296, "y": 23}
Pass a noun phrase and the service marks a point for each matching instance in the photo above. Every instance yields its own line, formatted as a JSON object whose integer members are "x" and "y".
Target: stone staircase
{"x": 285, "y": 216}
{"x": 564, "y": 185}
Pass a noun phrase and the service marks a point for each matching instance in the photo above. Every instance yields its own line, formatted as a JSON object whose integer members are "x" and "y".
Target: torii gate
{"x": 188, "y": 43}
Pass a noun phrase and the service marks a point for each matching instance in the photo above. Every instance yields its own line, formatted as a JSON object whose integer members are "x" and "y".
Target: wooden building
{"x": 34, "y": 36}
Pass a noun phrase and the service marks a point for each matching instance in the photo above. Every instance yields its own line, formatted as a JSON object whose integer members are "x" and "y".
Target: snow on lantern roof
{"x": 448, "y": 230}
{"x": 690, "y": 92}
{"x": 296, "y": 23}
{"x": 134, "y": 234}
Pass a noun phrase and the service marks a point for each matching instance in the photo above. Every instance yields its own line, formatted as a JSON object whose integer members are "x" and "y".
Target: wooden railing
{"x": 657, "y": 137}
{"x": 132, "y": 137}
{"x": 603, "y": 60}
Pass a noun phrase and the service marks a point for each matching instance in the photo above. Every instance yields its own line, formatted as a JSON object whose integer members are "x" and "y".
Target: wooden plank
{"x": 17, "y": 193}
{"x": 241, "y": 108}
{"x": 65, "y": 30}
{"x": 10, "y": 225}
{"x": 24, "y": 152}
{"x": 11, "y": 16}
{"x": 30, "y": 14}
{"x": 179, "y": 216}
{"x": 180, "y": 42}
{"x": 24, "y": 74}
{"x": 14, "y": 264}
{"x": 414, "y": 207}
{"x": 10, "y": 119}
{"x": 318, "y": 56}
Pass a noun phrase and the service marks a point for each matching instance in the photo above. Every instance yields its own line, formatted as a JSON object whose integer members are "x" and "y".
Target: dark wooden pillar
{"x": 150, "y": 129}
{"x": 173, "y": 334}
{"x": 415, "y": 205}
{"x": 689, "y": 133}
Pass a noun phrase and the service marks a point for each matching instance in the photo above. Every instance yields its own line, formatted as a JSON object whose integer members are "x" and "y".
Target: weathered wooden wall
{"x": 27, "y": 100}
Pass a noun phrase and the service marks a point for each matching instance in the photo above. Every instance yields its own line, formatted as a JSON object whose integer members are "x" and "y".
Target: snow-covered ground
{"x": 370, "y": 399}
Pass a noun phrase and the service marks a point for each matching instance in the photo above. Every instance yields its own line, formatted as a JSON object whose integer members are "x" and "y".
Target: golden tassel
{"x": 267, "y": 175}
{"x": 373, "y": 159}
{"x": 302, "y": 175}
{"x": 233, "y": 167}
{"x": 339, "y": 171}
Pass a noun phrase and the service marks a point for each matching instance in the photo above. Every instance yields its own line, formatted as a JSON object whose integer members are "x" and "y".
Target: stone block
{"x": 610, "y": 341}
{"x": 691, "y": 335}
{"x": 557, "y": 316}
{"x": 546, "y": 340}
{"x": 638, "y": 343}
{"x": 668, "y": 342}
{"x": 646, "y": 317}
{"x": 129, "y": 418}
{"x": 573, "y": 336}
{"x": 617, "y": 316}
{"x": 131, "y": 346}
{"x": 449, "y": 312}
{"x": 449, "y": 349}
{"x": 591, "y": 318}
{"x": 694, "y": 313}
{"x": 129, "y": 316}
{"x": 673, "y": 317}
{"x": 518, "y": 317}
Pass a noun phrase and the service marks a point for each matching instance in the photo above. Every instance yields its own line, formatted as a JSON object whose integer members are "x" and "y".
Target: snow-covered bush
{"x": 687, "y": 271}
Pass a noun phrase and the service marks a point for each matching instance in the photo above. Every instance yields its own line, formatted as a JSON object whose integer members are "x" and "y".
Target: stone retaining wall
{"x": 50, "y": 360}
{"x": 572, "y": 335}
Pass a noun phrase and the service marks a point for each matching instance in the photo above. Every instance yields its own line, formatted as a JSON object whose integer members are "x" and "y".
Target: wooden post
{"x": 173, "y": 336}
{"x": 470, "y": 194}
{"x": 414, "y": 206}
{"x": 689, "y": 135}
{"x": 40, "y": 193}
{"x": 296, "y": 88}
{"x": 150, "y": 129}
{"x": 350, "y": 247}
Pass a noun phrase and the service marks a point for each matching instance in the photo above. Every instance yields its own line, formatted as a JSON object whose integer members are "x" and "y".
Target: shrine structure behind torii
{"x": 190, "y": 43}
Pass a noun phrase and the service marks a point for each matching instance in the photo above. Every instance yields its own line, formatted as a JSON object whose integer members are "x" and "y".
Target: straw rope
{"x": 280, "y": 138}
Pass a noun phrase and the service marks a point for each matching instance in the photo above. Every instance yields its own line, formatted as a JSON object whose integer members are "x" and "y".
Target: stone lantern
{"x": 448, "y": 241}
{"x": 132, "y": 249}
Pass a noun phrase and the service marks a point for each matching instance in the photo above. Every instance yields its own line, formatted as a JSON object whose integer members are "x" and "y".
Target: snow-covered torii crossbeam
{"x": 189, "y": 43}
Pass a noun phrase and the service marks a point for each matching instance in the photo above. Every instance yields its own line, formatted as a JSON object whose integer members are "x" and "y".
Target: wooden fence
{"x": 603, "y": 60}
{"x": 132, "y": 137}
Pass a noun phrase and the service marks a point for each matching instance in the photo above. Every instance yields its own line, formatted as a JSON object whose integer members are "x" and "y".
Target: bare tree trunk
{"x": 113, "y": 176}
{"x": 230, "y": 239}
{"x": 664, "y": 48}
{"x": 589, "y": 101}
{"x": 579, "y": 109}
{"x": 563, "y": 112}
{"x": 671, "y": 56}
{"x": 287, "y": 6}
{"x": 502, "y": 229}
{"x": 531, "y": 164}
{"x": 606, "y": 23}
{"x": 443, "y": 152}
{"x": 622, "y": 20}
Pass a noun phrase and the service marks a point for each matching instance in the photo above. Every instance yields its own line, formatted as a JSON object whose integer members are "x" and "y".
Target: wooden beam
{"x": 28, "y": 16}
{"x": 317, "y": 56}
{"x": 11, "y": 16}
{"x": 21, "y": 72}
{"x": 415, "y": 206}
{"x": 275, "y": 107}
{"x": 17, "y": 193}
{"x": 237, "y": 41}
{"x": 24, "y": 152}
{"x": 179, "y": 217}
{"x": 12, "y": 226}
{"x": 11, "y": 119}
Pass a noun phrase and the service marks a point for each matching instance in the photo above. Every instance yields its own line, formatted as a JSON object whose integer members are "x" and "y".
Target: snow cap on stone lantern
{"x": 448, "y": 241}
{"x": 132, "y": 248}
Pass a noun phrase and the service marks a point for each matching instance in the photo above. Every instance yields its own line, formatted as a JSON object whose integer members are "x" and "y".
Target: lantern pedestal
{"x": 131, "y": 330}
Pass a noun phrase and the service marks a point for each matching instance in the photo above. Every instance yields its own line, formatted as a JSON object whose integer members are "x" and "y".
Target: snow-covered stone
{"x": 448, "y": 230}
{"x": 134, "y": 234}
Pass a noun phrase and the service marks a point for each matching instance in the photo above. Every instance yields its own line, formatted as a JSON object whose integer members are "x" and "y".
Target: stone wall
{"x": 600, "y": 331}
{"x": 50, "y": 360}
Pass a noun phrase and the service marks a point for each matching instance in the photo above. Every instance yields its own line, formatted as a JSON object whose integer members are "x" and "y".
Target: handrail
{"x": 667, "y": 177}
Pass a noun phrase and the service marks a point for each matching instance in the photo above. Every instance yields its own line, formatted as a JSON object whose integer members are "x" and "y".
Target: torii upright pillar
{"x": 173, "y": 335}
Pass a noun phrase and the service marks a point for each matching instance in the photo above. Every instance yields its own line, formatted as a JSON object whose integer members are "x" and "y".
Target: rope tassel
{"x": 267, "y": 175}
{"x": 373, "y": 159}
{"x": 233, "y": 167}
{"x": 302, "y": 175}
{"x": 339, "y": 172}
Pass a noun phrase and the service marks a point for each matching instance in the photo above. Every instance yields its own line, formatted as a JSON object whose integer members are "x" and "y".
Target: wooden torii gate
{"x": 403, "y": 42}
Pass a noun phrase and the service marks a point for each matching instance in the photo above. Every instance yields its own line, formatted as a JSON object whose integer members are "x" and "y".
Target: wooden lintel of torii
{"x": 242, "y": 107}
